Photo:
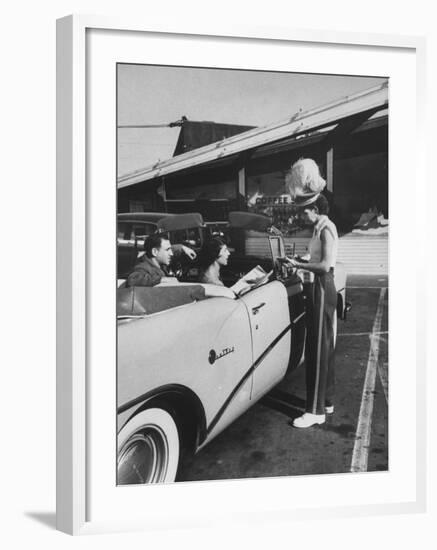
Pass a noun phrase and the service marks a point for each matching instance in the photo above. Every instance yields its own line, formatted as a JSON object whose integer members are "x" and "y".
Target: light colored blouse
{"x": 315, "y": 244}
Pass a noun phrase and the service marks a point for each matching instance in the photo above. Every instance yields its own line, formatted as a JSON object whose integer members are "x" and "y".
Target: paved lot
{"x": 263, "y": 444}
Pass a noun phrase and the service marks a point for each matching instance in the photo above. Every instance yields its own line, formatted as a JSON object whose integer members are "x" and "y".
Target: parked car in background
{"x": 132, "y": 229}
{"x": 188, "y": 367}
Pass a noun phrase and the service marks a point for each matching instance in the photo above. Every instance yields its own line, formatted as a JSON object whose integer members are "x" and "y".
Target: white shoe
{"x": 329, "y": 409}
{"x": 307, "y": 420}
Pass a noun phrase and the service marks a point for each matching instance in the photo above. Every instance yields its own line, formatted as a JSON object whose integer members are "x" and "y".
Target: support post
{"x": 241, "y": 197}
{"x": 330, "y": 170}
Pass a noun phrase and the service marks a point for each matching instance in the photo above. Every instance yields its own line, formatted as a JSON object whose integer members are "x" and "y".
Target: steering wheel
{"x": 183, "y": 267}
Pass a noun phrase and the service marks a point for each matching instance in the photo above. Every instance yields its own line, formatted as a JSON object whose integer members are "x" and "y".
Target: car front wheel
{"x": 148, "y": 448}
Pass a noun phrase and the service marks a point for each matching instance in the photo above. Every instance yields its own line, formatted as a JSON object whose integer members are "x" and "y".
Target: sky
{"x": 160, "y": 95}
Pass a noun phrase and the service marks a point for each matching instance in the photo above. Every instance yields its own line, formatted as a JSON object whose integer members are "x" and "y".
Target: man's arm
{"x": 179, "y": 249}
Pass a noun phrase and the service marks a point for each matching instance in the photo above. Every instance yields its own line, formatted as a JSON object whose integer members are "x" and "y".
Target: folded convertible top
{"x": 141, "y": 300}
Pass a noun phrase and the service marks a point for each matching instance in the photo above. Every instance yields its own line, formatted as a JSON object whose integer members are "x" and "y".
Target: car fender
{"x": 177, "y": 346}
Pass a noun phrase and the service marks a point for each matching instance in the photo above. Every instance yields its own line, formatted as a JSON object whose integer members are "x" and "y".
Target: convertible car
{"x": 189, "y": 365}
{"x": 134, "y": 227}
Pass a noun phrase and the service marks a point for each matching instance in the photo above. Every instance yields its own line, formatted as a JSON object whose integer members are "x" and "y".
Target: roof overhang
{"x": 371, "y": 100}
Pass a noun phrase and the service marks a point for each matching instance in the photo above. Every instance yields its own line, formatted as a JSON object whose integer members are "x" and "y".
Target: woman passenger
{"x": 213, "y": 254}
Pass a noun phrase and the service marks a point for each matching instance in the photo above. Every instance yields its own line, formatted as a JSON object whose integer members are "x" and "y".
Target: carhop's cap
{"x": 305, "y": 199}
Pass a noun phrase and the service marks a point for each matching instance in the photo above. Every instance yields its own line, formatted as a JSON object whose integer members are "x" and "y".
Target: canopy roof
{"x": 300, "y": 123}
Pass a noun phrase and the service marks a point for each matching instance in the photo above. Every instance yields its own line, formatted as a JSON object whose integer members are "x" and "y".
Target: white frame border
{"x": 71, "y": 446}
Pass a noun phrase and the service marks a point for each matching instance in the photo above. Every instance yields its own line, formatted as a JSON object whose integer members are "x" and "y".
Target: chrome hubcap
{"x": 143, "y": 458}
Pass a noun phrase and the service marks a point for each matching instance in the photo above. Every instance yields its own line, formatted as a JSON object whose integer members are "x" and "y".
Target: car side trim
{"x": 296, "y": 319}
{"x": 251, "y": 370}
{"x": 168, "y": 390}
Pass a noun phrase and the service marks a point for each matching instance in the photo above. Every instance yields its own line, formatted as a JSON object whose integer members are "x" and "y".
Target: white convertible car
{"x": 189, "y": 366}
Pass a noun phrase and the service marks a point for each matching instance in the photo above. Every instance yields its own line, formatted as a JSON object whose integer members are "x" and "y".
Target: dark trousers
{"x": 321, "y": 305}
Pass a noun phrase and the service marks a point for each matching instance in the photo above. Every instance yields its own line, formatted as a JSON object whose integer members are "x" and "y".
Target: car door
{"x": 204, "y": 346}
{"x": 269, "y": 317}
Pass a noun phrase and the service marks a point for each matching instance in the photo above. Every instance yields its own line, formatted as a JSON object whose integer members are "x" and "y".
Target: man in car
{"x": 153, "y": 267}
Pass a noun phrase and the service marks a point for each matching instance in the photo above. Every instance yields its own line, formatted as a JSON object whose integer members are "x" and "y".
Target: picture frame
{"x": 78, "y": 387}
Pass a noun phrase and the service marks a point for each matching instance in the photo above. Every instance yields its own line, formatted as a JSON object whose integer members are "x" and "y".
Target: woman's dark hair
{"x": 321, "y": 204}
{"x": 209, "y": 252}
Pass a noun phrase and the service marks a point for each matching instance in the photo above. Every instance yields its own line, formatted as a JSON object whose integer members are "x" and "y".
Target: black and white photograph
{"x": 252, "y": 274}
{"x": 219, "y": 326}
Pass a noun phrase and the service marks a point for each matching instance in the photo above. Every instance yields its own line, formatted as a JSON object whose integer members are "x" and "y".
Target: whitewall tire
{"x": 148, "y": 449}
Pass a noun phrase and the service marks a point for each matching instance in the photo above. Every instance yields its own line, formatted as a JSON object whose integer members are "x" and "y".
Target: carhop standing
{"x": 321, "y": 295}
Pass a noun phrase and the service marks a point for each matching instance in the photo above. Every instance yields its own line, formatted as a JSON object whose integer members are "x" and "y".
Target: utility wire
{"x": 174, "y": 124}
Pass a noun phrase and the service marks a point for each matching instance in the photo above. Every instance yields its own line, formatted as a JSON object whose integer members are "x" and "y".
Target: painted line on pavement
{"x": 362, "y": 333}
{"x": 365, "y": 287}
{"x": 364, "y": 427}
{"x": 383, "y": 376}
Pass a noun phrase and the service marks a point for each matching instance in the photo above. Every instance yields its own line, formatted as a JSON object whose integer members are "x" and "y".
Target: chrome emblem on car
{"x": 213, "y": 357}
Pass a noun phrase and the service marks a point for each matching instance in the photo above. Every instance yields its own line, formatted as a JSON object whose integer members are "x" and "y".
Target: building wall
{"x": 360, "y": 181}
{"x": 360, "y": 178}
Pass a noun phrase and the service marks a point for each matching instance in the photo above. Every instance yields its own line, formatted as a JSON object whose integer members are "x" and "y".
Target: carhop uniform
{"x": 321, "y": 300}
